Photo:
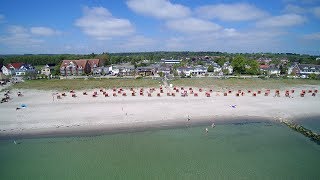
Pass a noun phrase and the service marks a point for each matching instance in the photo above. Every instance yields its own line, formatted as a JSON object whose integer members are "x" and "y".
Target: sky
{"x": 96, "y": 26}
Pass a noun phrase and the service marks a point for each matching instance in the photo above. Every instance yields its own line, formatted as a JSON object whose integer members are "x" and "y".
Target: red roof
{"x": 264, "y": 66}
{"x": 79, "y": 63}
{"x": 14, "y": 65}
{"x": 92, "y": 62}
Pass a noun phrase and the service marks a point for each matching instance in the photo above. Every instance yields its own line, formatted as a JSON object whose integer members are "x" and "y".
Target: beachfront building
{"x": 146, "y": 71}
{"x": 227, "y": 68}
{"x": 123, "y": 70}
{"x": 80, "y": 67}
{"x": 47, "y": 69}
{"x": 74, "y": 67}
{"x": 11, "y": 68}
{"x": 25, "y": 69}
{"x": 188, "y": 71}
{"x": 304, "y": 70}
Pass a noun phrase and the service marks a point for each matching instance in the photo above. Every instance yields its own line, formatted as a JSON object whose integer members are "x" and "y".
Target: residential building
{"x": 47, "y": 69}
{"x": 146, "y": 71}
{"x": 74, "y": 67}
{"x": 306, "y": 69}
{"x": 170, "y": 61}
{"x": 10, "y": 68}
{"x": 81, "y": 66}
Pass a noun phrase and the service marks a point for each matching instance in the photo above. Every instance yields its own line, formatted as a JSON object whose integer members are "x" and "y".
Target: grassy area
{"x": 243, "y": 83}
{"x": 68, "y": 84}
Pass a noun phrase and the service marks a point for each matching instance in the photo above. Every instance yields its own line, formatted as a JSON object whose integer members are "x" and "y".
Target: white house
{"x": 10, "y": 68}
{"x": 45, "y": 70}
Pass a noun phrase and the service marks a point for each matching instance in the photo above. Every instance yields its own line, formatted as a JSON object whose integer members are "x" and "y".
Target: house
{"x": 305, "y": 70}
{"x": 273, "y": 70}
{"x": 47, "y": 69}
{"x": 123, "y": 70}
{"x": 81, "y": 66}
{"x": 227, "y": 67}
{"x": 170, "y": 61}
{"x": 10, "y": 68}
{"x": 186, "y": 70}
{"x": 25, "y": 69}
{"x": 74, "y": 67}
{"x": 94, "y": 65}
{"x": 146, "y": 71}
{"x": 200, "y": 70}
{"x": 163, "y": 69}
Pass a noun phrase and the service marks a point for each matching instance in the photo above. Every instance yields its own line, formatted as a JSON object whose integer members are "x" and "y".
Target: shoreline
{"x": 46, "y": 116}
{"x": 106, "y": 129}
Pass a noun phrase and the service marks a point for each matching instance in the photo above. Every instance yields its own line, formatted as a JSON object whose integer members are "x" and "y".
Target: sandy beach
{"x": 44, "y": 114}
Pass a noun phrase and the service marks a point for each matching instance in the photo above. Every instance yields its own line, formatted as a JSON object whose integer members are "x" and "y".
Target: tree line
{"x": 137, "y": 57}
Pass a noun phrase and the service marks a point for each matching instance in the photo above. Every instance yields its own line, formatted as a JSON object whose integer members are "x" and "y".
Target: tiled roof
{"x": 14, "y": 65}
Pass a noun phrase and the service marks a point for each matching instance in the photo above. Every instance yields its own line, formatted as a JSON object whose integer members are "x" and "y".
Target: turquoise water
{"x": 229, "y": 151}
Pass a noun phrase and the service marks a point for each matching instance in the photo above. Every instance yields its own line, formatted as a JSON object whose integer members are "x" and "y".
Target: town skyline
{"x": 83, "y": 27}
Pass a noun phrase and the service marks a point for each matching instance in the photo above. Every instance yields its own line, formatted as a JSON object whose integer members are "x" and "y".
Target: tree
{"x": 313, "y": 76}
{"x": 221, "y": 61}
{"x": 161, "y": 74}
{"x": 253, "y": 67}
{"x": 210, "y": 68}
{"x": 283, "y": 69}
{"x": 239, "y": 64}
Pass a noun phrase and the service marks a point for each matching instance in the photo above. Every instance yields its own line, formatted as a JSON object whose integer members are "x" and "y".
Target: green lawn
{"x": 243, "y": 83}
{"x": 68, "y": 84}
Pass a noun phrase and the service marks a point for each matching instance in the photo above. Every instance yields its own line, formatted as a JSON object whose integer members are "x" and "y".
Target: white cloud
{"x": 99, "y": 23}
{"x": 316, "y": 11}
{"x": 290, "y": 8}
{"x": 192, "y": 25}
{"x": 162, "y": 9}
{"x": 19, "y": 36}
{"x": 285, "y": 20}
{"x": 312, "y": 36}
{"x": 44, "y": 31}
{"x": 231, "y": 12}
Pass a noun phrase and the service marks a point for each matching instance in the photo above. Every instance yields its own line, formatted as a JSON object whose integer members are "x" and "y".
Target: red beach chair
{"x": 254, "y": 94}
{"x": 313, "y": 94}
{"x": 173, "y": 94}
{"x": 149, "y": 94}
{"x": 249, "y": 91}
{"x": 259, "y": 91}
{"x": 124, "y": 94}
{"x": 200, "y": 90}
{"x": 292, "y": 91}
{"x": 74, "y": 95}
{"x": 266, "y": 94}
{"x": 106, "y": 95}
{"x": 168, "y": 94}
{"x": 133, "y": 94}
{"x": 195, "y": 94}
{"x": 225, "y": 94}
{"x": 158, "y": 94}
{"x": 114, "y": 94}
{"x": 237, "y": 94}
{"x": 84, "y": 93}
{"x": 301, "y": 94}
{"x": 229, "y": 91}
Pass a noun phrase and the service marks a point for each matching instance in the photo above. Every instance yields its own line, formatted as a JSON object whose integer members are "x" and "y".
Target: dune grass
{"x": 77, "y": 84}
{"x": 252, "y": 83}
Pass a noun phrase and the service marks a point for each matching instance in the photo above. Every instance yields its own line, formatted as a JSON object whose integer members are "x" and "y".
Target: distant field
{"x": 68, "y": 84}
{"x": 243, "y": 83}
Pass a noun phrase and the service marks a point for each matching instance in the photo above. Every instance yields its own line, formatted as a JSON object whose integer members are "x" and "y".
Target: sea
{"x": 234, "y": 150}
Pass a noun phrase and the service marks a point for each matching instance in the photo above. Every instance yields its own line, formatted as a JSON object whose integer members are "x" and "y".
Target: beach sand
{"x": 47, "y": 115}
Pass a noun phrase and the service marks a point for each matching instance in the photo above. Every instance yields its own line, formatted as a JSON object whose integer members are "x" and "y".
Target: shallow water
{"x": 228, "y": 151}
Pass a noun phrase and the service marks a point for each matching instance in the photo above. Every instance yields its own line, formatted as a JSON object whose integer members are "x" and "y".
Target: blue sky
{"x": 86, "y": 26}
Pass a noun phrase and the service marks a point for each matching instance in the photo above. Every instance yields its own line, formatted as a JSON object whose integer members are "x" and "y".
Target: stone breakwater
{"x": 302, "y": 130}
